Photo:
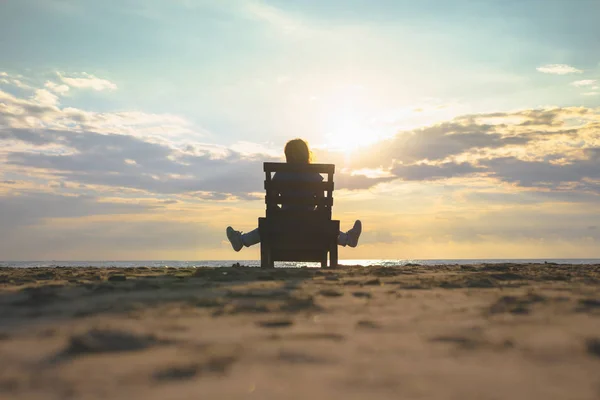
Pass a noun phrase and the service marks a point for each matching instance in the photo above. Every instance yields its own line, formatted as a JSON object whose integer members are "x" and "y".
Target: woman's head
{"x": 297, "y": 152}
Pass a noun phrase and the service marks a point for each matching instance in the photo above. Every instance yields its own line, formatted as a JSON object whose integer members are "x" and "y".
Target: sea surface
{"x": 256, "y": 263}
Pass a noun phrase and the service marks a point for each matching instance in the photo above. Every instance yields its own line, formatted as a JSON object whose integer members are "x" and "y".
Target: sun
{"x": 347, "y": 141}
{"x": 347, "y": 133}
{"x": 350, "y": 121}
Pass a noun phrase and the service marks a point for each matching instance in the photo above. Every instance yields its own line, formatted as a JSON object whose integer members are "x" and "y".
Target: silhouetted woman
{"x": 296, "y": 152}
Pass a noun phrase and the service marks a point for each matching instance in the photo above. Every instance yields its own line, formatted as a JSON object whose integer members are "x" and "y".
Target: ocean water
{"x": 256, "y": 263}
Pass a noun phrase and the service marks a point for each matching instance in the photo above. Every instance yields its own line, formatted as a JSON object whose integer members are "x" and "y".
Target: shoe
{"x": 354, "y": 233}
{"x": 235, "y": 238}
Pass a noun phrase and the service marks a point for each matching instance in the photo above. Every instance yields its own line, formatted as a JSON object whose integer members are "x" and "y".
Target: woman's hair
{"x": 297, "y": 152}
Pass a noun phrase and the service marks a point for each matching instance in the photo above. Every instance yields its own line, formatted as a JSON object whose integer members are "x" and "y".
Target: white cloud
{"x": 169, "y": 159}
{"x": 12, "y": 80}
{"x": 56, "y": 88}
{"x": 42, "y": 110}
{"x": 44, "y": 97}
{"x": 88, "y": 81}
{"x": 513, "y": 161}
{"x": 558, "y": 69}
{"x": 20, "y": 84}
{"x": 585, "y": 82}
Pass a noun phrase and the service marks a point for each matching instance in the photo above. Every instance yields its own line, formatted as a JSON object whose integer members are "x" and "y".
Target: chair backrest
{"x": 289, "y": 197}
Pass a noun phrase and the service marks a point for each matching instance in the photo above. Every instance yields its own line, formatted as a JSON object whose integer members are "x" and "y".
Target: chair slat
{"x": 294, "y": 228}
{"x": 293, "y": 200}
{"x": 304, "y": 244}
{"x": 295, "y": 186}
{"x": 279, "y": 217}
{"x": 288, "y": 167}
{"x": 300, "y": 240}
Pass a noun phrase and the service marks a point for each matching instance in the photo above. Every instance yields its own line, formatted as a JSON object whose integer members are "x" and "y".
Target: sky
{"x": 136, "y": 129}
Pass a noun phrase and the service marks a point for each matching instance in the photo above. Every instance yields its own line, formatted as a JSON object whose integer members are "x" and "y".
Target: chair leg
{"x": 333, "y": 256}
{"x": 265, "y": 256}
{"x": 271, "y": 262}
{"x": 333, "y": 250}
{"x": 267, "y": 261}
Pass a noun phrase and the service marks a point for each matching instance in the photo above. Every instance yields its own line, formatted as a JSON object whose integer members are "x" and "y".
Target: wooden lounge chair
{"x": 298, "y": 228}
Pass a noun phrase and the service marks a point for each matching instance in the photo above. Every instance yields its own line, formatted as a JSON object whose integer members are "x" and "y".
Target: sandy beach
{"x": 493, "y": 331}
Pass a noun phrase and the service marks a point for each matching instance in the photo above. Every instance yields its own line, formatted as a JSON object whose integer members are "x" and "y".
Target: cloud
{"x": 578, "y": 174}
{"x": 87, "y": 81}
{"x": 585, "y": 82}
{"x": 15, "y": 81}
{"x": 56, "y": 88}
{"x": 423, "y": 172}
{"x": 540, "y": 143}
{"x": 75, "y": 183}
{"x": 106, "y": 160}
{"x": 358, "y": 182}
{"x": 435, "y": 143}
{"x": 43, "y": 111}
{"x": 154, "y": 153}
{"x": 559, "y": 69}
{"x": 44, "y": 97}
{"x": 590, "y": 93}
{"x": 463, "y": 147}
{"x": 45, "y": 226}
{"x": 139, "y": 152}
{"x": 506, "y": 225}
{"x": 32, "y": 208}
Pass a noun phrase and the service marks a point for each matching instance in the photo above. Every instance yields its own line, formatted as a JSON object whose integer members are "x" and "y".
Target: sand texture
{"x": 494, "y": 331}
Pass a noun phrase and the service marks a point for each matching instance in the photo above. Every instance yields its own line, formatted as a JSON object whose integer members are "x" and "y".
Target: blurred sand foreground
{"x": 503, "y": 331}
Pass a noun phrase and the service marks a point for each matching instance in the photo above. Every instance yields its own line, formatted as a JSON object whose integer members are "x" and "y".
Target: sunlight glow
{"x": 349, "y": 123}
{"x": 372, "y": 173}
{"x": 360, "y": 115}
{"x": 349, "y": 136}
